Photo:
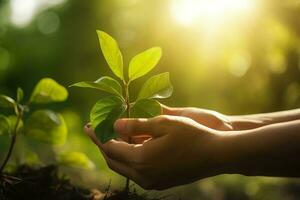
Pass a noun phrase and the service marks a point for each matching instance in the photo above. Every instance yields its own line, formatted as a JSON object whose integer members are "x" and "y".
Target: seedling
{"x": 108, "y": 109}
{"x": 43, "y": 125}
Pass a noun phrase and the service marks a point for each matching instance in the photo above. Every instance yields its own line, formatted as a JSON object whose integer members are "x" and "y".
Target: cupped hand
{"x": 177, "y": 150}
{"x": 209, "y": 118}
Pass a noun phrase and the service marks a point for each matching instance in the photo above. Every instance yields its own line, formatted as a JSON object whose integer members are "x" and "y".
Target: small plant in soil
{"x": 42, "y": 125}
{"x": 108, "y": 109}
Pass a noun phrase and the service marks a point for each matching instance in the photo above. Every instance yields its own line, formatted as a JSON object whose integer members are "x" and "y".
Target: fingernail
{"x": 87, "y": 128}
{"x": 88, "y": 125}
{"x": 119, "y": 125}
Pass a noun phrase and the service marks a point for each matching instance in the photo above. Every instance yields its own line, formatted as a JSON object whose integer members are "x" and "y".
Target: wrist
{"x": 268, "y": 150}
{"x": 208, "y": 153}
{"x": 230, "y": 152}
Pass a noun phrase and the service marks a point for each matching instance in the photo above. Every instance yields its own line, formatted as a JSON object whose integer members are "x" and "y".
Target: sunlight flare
{"x": 187, "y": 12}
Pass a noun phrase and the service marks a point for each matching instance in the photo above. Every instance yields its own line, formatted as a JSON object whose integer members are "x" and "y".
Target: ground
{"x": 45, "y": 184}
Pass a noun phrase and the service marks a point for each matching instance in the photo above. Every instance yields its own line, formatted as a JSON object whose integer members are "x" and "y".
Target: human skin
{"x": 183, "y": 146}
{"x": 218, "y": 121}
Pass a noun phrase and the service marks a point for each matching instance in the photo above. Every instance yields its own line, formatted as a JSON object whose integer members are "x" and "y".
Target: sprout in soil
{"x": 43, "y": 125}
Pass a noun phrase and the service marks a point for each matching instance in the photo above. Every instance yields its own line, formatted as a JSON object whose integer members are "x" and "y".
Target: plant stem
{"x": 13, "y": 140}
{"x": 128, "y": 116}
{"x": 127, "y": 100}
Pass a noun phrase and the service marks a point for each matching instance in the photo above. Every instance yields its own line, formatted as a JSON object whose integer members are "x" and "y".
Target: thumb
{"x": 138, "y": 127}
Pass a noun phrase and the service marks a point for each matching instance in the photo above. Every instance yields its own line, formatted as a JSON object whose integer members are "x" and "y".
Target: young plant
{"x": 42, "y": 125}
{"x": 108, "y": 109}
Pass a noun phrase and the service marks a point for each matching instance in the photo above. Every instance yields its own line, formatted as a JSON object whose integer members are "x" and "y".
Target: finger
{"x": 119, "y": 167}
{"x": 90, "y": 132}
{"x": 121, "y": 151}
{"x": 123, "y": 169}
{"x": 113, "y": 150}
{"x": 138, "y": 126}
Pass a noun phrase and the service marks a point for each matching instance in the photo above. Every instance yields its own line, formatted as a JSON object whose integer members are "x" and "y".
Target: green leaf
{"x": 4, "y": 125}
{"x": 7, "y": 102}
{"x": 104, "y": 83}
{"x": 48, "y": 90}
{"x": 112, "y": 53}
{"x": 158, "y": 86}
{"x": 12, "y": 123}
{"x": 144, "y": 62}
{"x": 103, "y": 115}
{"x": 31, "y": 158}
{"x": 20, "y": 94}
{"x": 46, "y": 126}
{"x": 146, "y": 108}
{"x": 75, "y": 159}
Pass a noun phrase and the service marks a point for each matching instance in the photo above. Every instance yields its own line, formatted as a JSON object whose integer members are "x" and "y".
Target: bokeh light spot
{"x": 239, "y": 65}
{"x": 292, "y": 95}
{"x": 187, "y": 12}
{"x": 48, "y": 22}
{"x": 23, "y": 11}
{"x": 277, "y": 62}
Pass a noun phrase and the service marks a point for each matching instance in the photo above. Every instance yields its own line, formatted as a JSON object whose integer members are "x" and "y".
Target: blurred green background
{"x": 234, "y": 56}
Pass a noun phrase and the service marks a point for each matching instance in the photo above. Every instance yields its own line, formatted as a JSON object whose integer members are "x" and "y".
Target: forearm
{"x": 272, "y": 150}
{"x": 246, "y": 122}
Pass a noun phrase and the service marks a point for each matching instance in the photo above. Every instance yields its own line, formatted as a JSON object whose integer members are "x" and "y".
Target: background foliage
{"x": 238, "y": 65}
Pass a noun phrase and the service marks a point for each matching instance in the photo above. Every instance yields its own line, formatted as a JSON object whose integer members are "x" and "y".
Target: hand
{"x": 208, "y": 118}
{"x": 179, "y": 151}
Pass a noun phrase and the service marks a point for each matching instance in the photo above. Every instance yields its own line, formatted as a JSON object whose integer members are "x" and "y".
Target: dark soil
{"x": 44, "y": 184}
{"x": 39, "y": 184}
